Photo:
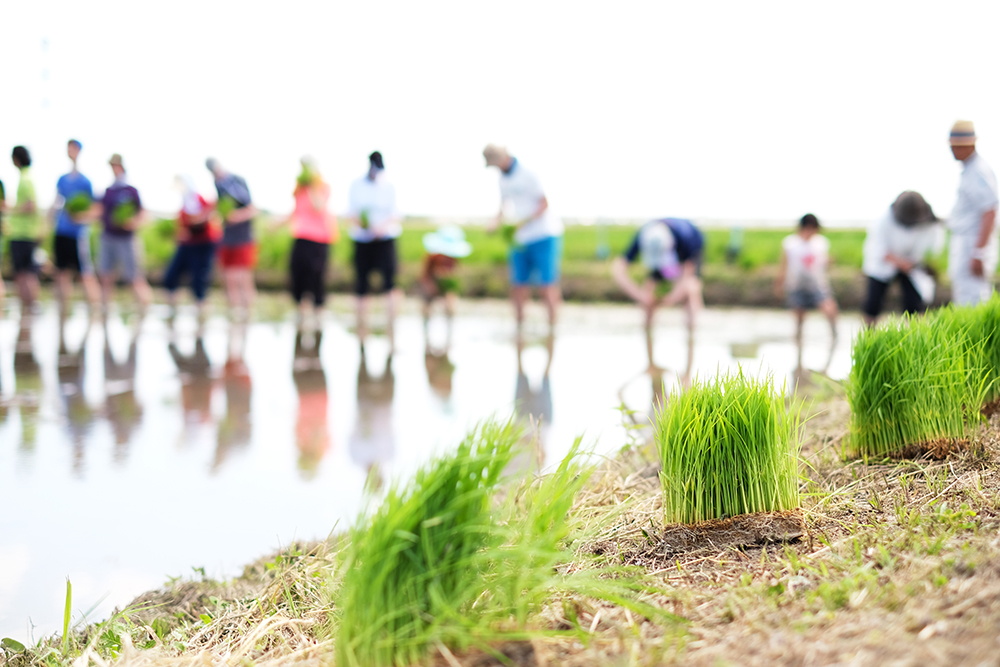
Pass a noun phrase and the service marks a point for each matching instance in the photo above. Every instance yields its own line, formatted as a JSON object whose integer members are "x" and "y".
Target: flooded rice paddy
{"x": 134, "y": 451}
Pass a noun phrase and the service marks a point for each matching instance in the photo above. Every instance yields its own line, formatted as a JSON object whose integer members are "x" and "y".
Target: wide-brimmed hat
{"x": 656, "y": 246}
{"x": 448, "y": 241}
{"x": 116, "y": 160}
{"x": 963, "y": 133}
{"x": 495, "y": 155}
{"x": 911, "y": 209}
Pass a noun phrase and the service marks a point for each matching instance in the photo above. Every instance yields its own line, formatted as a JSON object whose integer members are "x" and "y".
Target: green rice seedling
{"x": 727, "y": 447}
{"x": 979, "y": 328}
{"x": 78, "y": 203}
{"x": 123, "y": 213}
{"x": 225, "y": 206}
{"x": 911, "y": 386}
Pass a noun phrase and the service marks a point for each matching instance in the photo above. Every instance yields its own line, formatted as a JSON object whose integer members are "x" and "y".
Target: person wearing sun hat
{"x": 437, "y": 280}
{"x": 671, "y": 248}
{"x": 973, "y": 252}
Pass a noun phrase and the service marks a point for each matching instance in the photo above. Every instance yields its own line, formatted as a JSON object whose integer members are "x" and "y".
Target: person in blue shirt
{"x": 671, "y": 248}
{"x": 74, "y": 211}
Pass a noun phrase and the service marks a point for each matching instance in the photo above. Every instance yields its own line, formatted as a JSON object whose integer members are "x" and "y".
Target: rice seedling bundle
{"x": 911, "y": 386}
{"x": 979, "y": 328}
{"x": 727, "y": 447}
{"x": 78, "y": 203}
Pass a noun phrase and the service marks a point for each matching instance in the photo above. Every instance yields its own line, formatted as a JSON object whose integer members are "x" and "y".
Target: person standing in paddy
{"x": 197, "y": 235}
{"x": 237, "y": 251}
{"x": 74, "y": 203}
{"x": 375, "y": 226}
{"x": 314, "y": 230}
{"x": 974, "y": 247}
{"x": 121, "y": 214}
{"x": 802, "y": 274}
{"x": 536, "y": 243}
{"x": 3, "y": 209}
{"x": 24, "y": 229}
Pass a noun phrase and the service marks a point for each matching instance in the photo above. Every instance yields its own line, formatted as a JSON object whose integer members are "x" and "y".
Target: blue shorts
{"x": 536, "y": 263}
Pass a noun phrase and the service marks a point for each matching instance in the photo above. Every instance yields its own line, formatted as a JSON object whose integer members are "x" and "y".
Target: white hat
{"x": 449, "y": 241}
{"x": 656, "y": 245}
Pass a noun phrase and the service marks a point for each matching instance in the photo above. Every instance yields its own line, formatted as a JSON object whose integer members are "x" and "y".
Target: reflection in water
{"x": 373, "y": 441}
{"x": 440, "y": 370}
{"x": 196, "y": 381}
{"x": 71, "y": 368}
{"x": 534, "y": 407}
{"x": 312, "y": 433}
{"x": 28, "y": 383}
{"x": 659, "y": 380}
{"x": 121, "y": 406}
{"x": 234, "y": 428}
{"x": 802, "y": 377}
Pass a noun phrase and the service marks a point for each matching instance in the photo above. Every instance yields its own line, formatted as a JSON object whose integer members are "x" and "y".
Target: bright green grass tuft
{"x": 911, "y": 382}
{"x": 979, "y": 327}
{"x": 727, "y": 447}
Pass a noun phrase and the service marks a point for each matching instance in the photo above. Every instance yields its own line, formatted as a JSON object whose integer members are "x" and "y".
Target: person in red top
{"x": 197, "y": 235}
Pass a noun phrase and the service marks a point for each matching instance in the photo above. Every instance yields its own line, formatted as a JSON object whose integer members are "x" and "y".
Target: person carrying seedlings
{"x": 533, "y": 231}
{"x": 974, "y": 246}
{"x": 197, "y": 235}
{"x": 671, "y": 248}
{"x": 121, "y": 215}
{"x": 375, "y": 226}
{"x": 802, "y": 274}
{"x": 315, "y": 231}
{"x": 74, "y": 211}
{"x": 24, "y": 229}
{"x": 895, "y": 249}
{"x": 437, "y": 280}
{"x": 237, "y": 251}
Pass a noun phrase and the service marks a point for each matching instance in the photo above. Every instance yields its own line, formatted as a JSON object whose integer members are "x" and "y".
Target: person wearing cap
{"x": 437, "y": 280}
{"x": 121, "y": 214}
{"x": 73, "y": 212}
{"x": 315, "y": 231}
{"x": 375, "y": 226}
{"x": 24, "y": 229}
{"x": 974, "y": 248}
{"x": 536, "y": 245}
{"x": 197, "y": 235}
{"x": 802, "y": 278}
{"x": 237, "y": 250}
{"x": 671, "y": 249}
{"x": 896, "y": 248}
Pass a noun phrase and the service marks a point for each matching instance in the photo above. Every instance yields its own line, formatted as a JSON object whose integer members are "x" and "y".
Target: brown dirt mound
{"x": 991, "y": 408}
{"x": 519, "y": 653}
{"x": 937, "y": 450}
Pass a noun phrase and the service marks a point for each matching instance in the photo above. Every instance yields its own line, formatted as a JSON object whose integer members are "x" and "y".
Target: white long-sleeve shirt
{"x": 886, "y": 236}
{"x": 977, "y": 194}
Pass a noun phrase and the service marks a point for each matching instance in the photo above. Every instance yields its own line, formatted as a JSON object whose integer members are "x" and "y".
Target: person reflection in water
{"x": 439, "y": 367}
{"x": 28, "y": 382}
{"x": 312, "y": 432}
{"x": 195, "y": 371}
{"x": 71, "y": 368}
{"x": 234, "y": 429}
{"x": 123, "y": 409}
{"x": 373, "y": 441}
{"x": 534, "y": 407}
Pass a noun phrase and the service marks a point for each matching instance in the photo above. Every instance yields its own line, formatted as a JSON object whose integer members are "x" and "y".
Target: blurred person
{"x": 234, "y": 429}
{"x": 315, "y": 231}
{"x": 802, "y": 274}
{"x": 895, "y": 250}
{"x": 312, "y": 429}
{"x": 974, "y": 247}
{"x": 121, "y": 406}
{"x": 437, "y": 279}
{"x": 534, "y": 231}
{"x": 197, "y": 235}
{"x": 671, "y": 249}
{"x": 24, "y": 229}
{"x": 375, "y": 226}
{"x": 73, "y": 213}
{"x": 3, "y": 210}
{"x": 237, "y": 251}
{"x": 121, "y": 215}
{"x": 27, "y": 380}
{"x": 373, "y": 441}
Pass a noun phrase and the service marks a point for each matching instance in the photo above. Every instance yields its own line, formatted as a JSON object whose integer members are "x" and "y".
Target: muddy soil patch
{"x": 937, "y": 450}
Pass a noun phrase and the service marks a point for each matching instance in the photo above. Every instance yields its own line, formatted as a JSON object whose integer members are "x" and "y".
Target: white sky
{"x": 733, "y": 110}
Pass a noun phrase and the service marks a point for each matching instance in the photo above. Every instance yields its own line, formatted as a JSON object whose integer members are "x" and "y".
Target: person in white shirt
{"x": 536, "y": 242}
{"x": 375, "y": 226}
{"x": 896, "y": 247}
{"x": 972, "y": 258}
{"x": 802, "y": 277}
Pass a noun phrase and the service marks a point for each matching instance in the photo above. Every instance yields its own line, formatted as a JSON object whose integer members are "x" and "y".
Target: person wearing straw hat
{"x": 972, "y": 258}
{"x": 437, "y": 280}
{"x": 671, "y": 249}
{"x": 121, "y": 214}
{"x": 536, "y": 233}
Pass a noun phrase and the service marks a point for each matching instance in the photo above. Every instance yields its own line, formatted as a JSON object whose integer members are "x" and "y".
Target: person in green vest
{"x": 24, "y": 229}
